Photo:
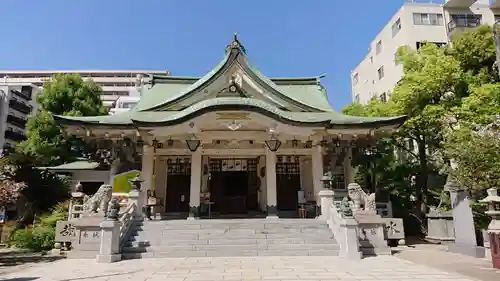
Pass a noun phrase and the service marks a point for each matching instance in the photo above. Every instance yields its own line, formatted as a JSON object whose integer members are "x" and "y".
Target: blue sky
{"x": 282, "y": 37}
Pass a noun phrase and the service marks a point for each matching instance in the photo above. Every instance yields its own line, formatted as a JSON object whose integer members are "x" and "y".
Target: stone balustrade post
{"x": 349, "y": 247}
{"x": 109, "y": 250}
{"x": 326, "y": 200}
{"x": 134, "y": 197}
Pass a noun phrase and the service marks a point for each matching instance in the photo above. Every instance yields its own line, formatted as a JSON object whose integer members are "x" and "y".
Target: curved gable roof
{"x": 166, "y": 91}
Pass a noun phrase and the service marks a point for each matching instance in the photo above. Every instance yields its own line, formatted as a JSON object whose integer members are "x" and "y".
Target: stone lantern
{"x": 493, "y": 201}
{"x": 136, "y": 183}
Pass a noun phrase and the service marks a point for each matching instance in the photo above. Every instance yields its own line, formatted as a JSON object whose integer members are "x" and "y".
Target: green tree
{"x": 64, "y": 94}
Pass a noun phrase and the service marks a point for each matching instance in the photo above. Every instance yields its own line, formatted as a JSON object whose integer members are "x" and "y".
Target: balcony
{"x": 460, "y": 23}
{"x": 14, "y": 135}
{"x": 15, "y": 120}
{"x": 25, "y": 93}
{"x": 458, "y": 3}
{"x": 20, "y": 106}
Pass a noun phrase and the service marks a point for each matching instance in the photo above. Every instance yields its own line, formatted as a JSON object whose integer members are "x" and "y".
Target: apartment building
{"x": 114, "y": 83}
{"x": 16, "y": 103}
{"x": 18, "y": 91}
{"x": 415, "y": 22}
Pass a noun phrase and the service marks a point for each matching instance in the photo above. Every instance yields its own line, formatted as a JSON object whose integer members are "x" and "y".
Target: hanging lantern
{"x": 309, "y": 144}
{"x": 273, "y": 144}
{"x": 193, "y": 144}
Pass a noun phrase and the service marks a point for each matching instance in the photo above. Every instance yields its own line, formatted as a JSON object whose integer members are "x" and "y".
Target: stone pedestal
{"x": 87, "y": 237}
{"x": 440, "y": 227}
{"x": 134, "y": 197}
{"x": 465, "y": 233}
{"x": 326, "y": 200}
{"x": 372, "y": 233}
{"x": 109, "y": 250}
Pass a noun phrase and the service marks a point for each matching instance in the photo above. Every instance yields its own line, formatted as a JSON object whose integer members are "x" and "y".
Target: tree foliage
{"x": 64, "y": 94}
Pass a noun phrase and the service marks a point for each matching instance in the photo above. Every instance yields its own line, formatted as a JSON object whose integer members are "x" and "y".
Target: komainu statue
{"x": 362, "y": 201}
{"x": 99, "y": 201}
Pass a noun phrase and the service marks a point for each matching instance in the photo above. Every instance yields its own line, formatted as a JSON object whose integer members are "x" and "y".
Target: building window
{"x": 396, "y": 27}
{"x": 383, "y": 97}
{"x": 464, "y": 20}
{"x": 380, "y": 72}
{"x": 438, "y": 44}
{"x": 427, "y": 19}
{"x": 378, "y": 47}
{"x": 371, "y": 59}
{"x": 355, "y": 79}
{"x": 356, "y": 98}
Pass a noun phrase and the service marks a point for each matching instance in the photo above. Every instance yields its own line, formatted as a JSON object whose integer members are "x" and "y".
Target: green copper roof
{"x": 77, "y": 165}
{"x": 171, "y": 100}
{"x": 166, "y": 91}
{"x": 155, "y": 118}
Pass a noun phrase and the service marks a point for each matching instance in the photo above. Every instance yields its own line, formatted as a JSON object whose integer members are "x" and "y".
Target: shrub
{"x": 36, "y": 239}
{"x": 41, "y": 237}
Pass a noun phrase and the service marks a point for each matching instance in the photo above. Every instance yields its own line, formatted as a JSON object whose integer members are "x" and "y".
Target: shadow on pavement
{"x": 98, "y": 276}
{"x": 15, "y": 258}
{"x": 22, "y": 279}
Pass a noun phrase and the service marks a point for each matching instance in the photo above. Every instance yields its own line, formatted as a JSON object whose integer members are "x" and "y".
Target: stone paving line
{"x": 236, "y": 268}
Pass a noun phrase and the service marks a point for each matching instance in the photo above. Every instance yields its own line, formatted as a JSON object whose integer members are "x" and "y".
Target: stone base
{"x": 472, "y": 251}
{"x": 440, "y": 240}
{"x": 108, "y": 258}
{"x": 272, "y": 217}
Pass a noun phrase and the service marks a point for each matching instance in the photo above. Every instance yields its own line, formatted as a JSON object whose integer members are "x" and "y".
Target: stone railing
{"x": 343, "y": 226}
{"x": 126, "y": 220}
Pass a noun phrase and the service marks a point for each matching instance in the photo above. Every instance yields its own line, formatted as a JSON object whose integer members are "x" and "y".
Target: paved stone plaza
{"x": 235, "y": 268}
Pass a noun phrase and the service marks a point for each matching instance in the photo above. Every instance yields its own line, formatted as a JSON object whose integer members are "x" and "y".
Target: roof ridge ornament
{"x": 236, "y": 44}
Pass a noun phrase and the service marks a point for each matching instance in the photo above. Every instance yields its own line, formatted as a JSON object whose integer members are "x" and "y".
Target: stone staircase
{"x": 234, "y": 237}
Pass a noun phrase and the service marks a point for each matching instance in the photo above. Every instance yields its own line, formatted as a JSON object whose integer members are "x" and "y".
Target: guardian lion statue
{"x": 99, "y": 201}
{"x": 361, "y": 200}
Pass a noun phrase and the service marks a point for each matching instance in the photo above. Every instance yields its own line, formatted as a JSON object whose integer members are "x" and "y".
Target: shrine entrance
{"x": 287, "y": 185}
{"x": 178, "y": 185}
{"x": 233, "y": 185}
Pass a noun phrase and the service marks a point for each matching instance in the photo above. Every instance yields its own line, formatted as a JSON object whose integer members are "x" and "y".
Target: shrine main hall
{"x": 233, "y": 142}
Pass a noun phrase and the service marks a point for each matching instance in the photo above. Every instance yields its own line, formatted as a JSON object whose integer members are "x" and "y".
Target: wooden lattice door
{"x": 178, "y": 185}
{"x": 287, "y": 183}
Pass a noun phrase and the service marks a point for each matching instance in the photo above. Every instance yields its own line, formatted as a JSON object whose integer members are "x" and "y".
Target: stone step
{"x": 248, "y": 223}
{"x": 232, "y": 253}
{"x": 163, "y": 242}
{"x": 240, "y": 237}
{"x": 231, "y": 238}
{"x": 209, "y": 247}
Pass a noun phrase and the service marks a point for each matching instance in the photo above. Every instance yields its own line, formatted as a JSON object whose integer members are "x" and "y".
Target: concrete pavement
{"x": 236, "y": 268}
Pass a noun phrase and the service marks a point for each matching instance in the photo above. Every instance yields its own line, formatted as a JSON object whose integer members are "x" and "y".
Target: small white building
{"x": 415, "y": 22}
